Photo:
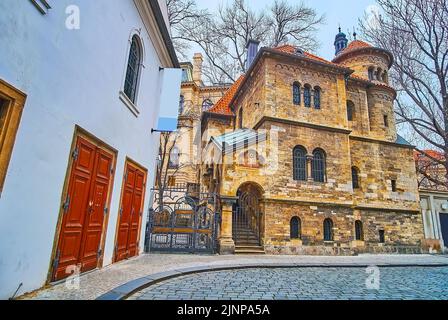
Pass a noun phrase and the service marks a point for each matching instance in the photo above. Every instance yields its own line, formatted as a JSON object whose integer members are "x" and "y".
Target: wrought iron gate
{"x": 187, "y": 225}
{"x": 246, "y": 219}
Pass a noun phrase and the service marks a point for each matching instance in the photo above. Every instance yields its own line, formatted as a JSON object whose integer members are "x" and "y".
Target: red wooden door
{"x": 83, "y": 209}
{"x": 131, "y": 211}
{"x": 96, "y": 210}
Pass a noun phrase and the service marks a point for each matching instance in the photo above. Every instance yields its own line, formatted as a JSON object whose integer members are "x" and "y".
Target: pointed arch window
{"x": 299, "y": 163}
{"x": 295, "y": 228}
{"x": 318, "y": 166}
{"x": 328, "y": 230}
{"x": 355, "y": 178}
{"x": 296, "y": 92}
{"x": 307, "y": 96}
{"x": 133, "y": 69}
{"x": 317, "y": 97}
{"x": 350, "y": 110}
{"x": 359, "y": 234}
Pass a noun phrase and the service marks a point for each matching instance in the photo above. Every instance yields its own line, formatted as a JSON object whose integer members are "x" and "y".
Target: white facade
{"x": 435, "y": 205}
{"x": 72, "y": 78}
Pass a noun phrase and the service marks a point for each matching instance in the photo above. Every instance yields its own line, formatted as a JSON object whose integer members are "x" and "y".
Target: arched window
{"x": 317, "y": 94}
{"x": 385, "y": 79}
{"x": 381, "y": 236}
{"x": 379, "y": 74}
{"x": 355, "y": 178}
{"x": 328, "y": 230}
{"x": 133, "y": 70}
{"x": 371, "y": 73}
{"x": 181, "y": 104}
{"x": 206, "y": 104}
{"x": 299, "y": 163}
{"x": 174, "y": 158}
{"x": 350, "y": 110}
{"x": 307, "y": 96}
{"x": 359, "y": 234}
{"x": 295, "y": 228}
{"x": 240, "y": 118}
{"x": 318, "y": 166}
{"x": 296, "y": 92}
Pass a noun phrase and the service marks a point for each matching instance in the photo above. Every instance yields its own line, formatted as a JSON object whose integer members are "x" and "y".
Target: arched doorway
{"x": 247, "y": 214}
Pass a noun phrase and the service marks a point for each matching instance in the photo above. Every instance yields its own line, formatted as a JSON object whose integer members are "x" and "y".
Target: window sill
{"x": 129, "y": 104}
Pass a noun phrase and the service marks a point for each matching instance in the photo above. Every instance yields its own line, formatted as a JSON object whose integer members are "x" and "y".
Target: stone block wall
{"x": 280, "y": 77}
{"x": 379, "y": 164}
{"x": 403, "y": 231}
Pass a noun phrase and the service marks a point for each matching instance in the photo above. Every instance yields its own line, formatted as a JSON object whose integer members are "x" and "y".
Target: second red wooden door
{"x": 131, "y": 212}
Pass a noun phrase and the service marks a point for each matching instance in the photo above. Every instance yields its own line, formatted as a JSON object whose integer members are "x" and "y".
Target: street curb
{"x": 126, "y": 290}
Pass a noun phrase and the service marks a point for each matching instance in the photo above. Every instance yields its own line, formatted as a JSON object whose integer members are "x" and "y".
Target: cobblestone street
{"x": 94, "y": 284}
{"x": 397, "y": 283}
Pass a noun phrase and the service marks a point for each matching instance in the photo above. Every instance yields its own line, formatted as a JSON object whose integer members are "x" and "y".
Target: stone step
{"x": 249, "y": 250}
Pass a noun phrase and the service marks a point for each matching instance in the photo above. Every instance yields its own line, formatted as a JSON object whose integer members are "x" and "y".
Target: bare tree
{"x": 224, "y": 35}
{"x": 416, "y": 33}
{"x": 429, "y": 171}
{"x": 295, "y": 24}
{"x": 181, "y": 14}
{"x": 169, "y": 164}
{"x": 167, "y": 144}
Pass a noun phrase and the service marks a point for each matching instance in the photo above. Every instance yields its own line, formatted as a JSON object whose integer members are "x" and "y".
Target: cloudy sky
{"x": 343, "y": 12}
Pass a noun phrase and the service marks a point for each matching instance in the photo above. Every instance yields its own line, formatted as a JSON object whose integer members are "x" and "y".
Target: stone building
{"x": 305, "y": 156}
{"x": 196, "y": 98}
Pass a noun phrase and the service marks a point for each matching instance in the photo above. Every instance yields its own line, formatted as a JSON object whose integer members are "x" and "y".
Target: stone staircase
{"x": 246, "y": 242}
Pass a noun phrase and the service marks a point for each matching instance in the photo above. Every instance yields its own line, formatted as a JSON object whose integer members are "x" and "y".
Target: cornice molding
{"x": 152, "y": 26}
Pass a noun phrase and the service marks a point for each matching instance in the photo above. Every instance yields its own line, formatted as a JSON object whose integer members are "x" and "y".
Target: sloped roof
{"x": 402, "y": 141}
{"x": 223, "y": 105}
{"x": 287, "y": 48}
{"x": 358, "y": 45}
{"x": 355, "y": 45}
{"x": 239, "y": 139}
{"x": 432, "y": 153}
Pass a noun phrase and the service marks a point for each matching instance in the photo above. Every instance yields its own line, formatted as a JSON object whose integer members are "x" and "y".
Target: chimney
{"x": 252, "y": 50}
{"x": 197, "y": 68}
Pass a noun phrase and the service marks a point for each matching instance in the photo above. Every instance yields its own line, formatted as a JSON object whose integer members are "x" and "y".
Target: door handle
{"x": 90, "y": 209}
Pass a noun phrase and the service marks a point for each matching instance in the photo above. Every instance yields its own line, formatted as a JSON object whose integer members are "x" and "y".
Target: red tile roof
{"x": 287, "y": 48}
{"x": 374, "y": 82}
{"x": 223, "y": 105}
{"x": 355, "y": 45}
{"x": 432, "y": 153}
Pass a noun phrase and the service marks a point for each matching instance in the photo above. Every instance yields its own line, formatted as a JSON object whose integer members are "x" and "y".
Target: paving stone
{"x": 100, "y": 282}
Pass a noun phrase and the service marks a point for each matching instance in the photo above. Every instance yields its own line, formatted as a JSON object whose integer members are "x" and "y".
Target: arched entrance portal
{"x": 247, "y": 222}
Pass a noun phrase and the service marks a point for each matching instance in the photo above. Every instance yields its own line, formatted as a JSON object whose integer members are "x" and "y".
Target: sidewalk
{"x": 99, "y": 282}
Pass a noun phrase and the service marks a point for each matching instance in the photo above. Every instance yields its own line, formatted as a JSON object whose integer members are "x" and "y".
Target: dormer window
{"x": 299, "y": 51}
{"x": 207, "y": 104}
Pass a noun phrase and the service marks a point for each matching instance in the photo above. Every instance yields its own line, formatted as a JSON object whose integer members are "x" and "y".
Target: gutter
{"x": 164, "y": 31}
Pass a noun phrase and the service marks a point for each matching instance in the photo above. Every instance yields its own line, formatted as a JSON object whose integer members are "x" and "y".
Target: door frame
{"x": 129, "y": 161}
{"x": 84, "y": 134}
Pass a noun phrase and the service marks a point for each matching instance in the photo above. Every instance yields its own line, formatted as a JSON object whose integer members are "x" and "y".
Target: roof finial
{"x": 354, "y": 33}
{"x": 340, "y": 30}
